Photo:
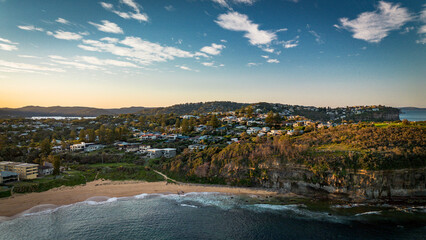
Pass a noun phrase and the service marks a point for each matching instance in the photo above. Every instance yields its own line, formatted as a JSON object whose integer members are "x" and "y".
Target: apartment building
{"x": 24, "y": 170}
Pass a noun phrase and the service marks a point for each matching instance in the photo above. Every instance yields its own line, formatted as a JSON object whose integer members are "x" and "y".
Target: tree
{"x": 45, "y": 147}
{"x": 405, "y": 122}
{"x": 185, "y": 126}
{"x": 56, "y": 161}
{"x": 101, "y": 132}
{"x": 249, "y": 111}
{"x": 82, "y": 136}
{"x": 92, "y": 136}
{"x": 177, "y": 124}
{"x": 214, "y": 122}
{"x": 73, "y": 134}
{"x": 273, "y": 119}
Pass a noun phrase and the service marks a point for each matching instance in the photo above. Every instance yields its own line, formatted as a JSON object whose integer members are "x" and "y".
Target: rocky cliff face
{"x": 355, "y": 186}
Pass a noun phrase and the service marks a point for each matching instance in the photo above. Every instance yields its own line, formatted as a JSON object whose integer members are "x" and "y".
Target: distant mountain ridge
{"x": 412, "y": 108}
{"x": 311, "y": 112}
{"x": 200, "y": 107}
{"x": 32, "y": 111}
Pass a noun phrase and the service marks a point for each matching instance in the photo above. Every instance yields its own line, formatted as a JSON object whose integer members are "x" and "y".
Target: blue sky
{"x": 116, "y": 53}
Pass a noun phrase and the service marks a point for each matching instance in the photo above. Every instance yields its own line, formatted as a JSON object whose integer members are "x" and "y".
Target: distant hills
{"x": 412, "y": 109}
{"x": 190, "y": 108}
{"x": 178, "y": 109}
{"x": 32, "y": 111}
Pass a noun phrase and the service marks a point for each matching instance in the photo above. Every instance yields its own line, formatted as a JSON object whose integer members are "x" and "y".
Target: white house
{"x": 196, "y": 147}
{"x": 253, "y": 130}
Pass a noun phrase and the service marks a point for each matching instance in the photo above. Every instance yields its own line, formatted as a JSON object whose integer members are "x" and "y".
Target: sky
{"x": 120, "y": 53}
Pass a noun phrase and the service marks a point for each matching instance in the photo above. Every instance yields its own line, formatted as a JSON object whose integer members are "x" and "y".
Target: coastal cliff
{"x": 362, "y": 185}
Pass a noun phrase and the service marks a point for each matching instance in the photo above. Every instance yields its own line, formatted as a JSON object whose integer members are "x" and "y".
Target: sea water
{"x": 206, "y": 216}
{"x": 413, "y": 114}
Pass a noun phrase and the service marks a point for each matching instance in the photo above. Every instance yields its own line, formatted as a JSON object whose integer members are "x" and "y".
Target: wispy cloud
{"x": 105, "y": 62}
{"x": 214, "y": 49}
{"x": 422, "y": 29}
{"x": 139, "y": 50}
{"x": 252, "y": 64}
{"x": 291, "y": 43}
{"x": 169, "y": 8}
{"x": 374, "y": 26}
{"x": 63, "y": 21}
{"x": 24, "y": 67}
{"x": 222, "y": 3}
{"x": 56, "y": 57}
{"x": 212, "y": 64}
{"x": 77, "y": 65}
{"x": 110, "y": 39}
{"x": 235, "y": 21}
{"x": 107, "y": 26}
{"x": 65, "y": 35}
{"x": 137, "y": 15}
{"x": 7, "y": 45}
{"x": 315, "y": 34}
{"x": 272, "y": 61}
{"x": 30, "y": 28}
{"x": 183, "y": 67}
{"x": 28, "y": 56}
{"x": 227, "y": 3}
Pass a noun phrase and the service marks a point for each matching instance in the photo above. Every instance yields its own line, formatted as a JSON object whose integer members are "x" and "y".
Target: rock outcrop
{"x": 392, "y": 185}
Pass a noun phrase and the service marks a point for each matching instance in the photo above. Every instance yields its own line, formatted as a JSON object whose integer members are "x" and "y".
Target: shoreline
{"x": 19, "y": 203}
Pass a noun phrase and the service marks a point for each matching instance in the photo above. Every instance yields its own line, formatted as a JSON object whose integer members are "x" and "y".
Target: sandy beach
{"x": 69, "y": 195}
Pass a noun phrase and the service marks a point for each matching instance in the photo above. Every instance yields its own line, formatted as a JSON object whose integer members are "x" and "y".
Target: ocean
{"x": 413, "y": 114}
{"x": 209, "y": 216}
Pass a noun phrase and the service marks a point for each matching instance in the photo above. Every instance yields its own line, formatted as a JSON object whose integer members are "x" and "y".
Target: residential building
{"x": 90, "y": 147}
{"x": 196, "y": 147}
{"x": 24, "y": 170}
{"x": 45, "y": 170}
{"x": 165, "y": 152}
{"x": 6, "y": 177}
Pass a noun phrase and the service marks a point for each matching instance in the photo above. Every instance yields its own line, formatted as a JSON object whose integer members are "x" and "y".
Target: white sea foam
{"x": 296, "y": 210}
{"x": 349, "y": 205}
{"x": 188, "y": 205}
{"x": 368, "y": 213}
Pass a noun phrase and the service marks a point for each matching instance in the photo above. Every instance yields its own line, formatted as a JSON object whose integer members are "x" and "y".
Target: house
{"x": 196, "y": 147}
{"x": 24, "y": 170}
{"x": 275, "y": 132}
{"x": 266, "y": 129}
{"x": 87, "y": 147}
{"x": 57, "y": 149}
{"x": 200, "y": 128}
{"x": 261, "y": 134}
{"x": 45, "y": 170}
{"x": 189, "y": 117}
{"x": 7, "y": 177}
{"x": 169, "y": 152}
{"x": 165, "y": 152}
{"x": 93, "y": 147}
{"x": 78, "y": 147}
{"x": 253, "y": 130}
{"x": 155, "y": 152}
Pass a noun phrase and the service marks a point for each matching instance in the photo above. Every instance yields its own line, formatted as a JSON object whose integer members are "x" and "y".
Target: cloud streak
{"x": 139, "y": 50}
{"x": 108, "y": 27}
{"x": 7, "y": 45}
{"x": 136, "y": 15}
{"x": 65, "y": 35}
